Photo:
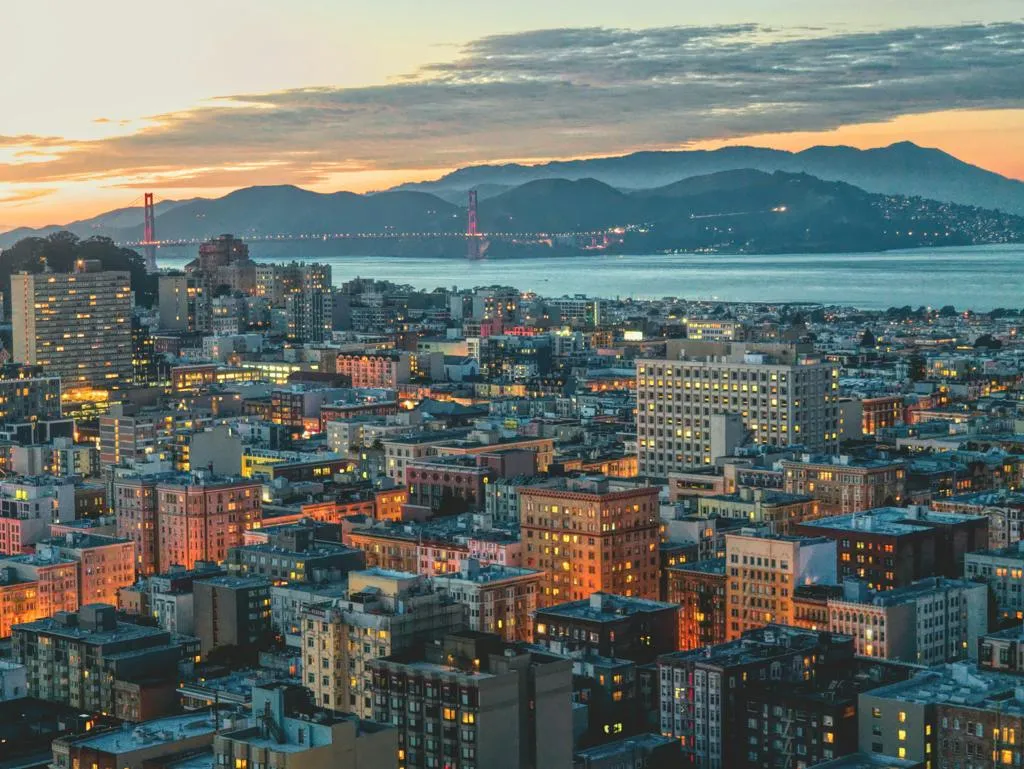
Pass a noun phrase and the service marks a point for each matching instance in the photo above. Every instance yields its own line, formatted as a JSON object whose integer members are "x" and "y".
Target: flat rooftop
{"x": 894, "y": 521}
{"x": 605, "y": 607}
{"x": 150, "y": 734}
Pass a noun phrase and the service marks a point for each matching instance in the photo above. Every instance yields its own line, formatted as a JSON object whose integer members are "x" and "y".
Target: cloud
{"x": 24, "y": 196}
{"x": 560, "y": 93}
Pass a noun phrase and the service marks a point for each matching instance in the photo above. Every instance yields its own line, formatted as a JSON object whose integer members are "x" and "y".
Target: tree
{"x": 59, "y": 252}
{"x": 987, "y": 341}
{"x": 867, "y": 339}
{"x": 916, "y": 367}
{"x": 949, "y": 311}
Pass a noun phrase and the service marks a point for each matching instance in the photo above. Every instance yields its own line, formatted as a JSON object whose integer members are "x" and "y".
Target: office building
{"x": 309, "y": 304}
{"x": 471, "y": 701}
{"x": 231, "y": 611}
{"x": 77, "y": 326}
{"x": 610, "y": 626}
{"x": 91, "y": 661}
{"x": 764, "y": 570}
{"x": 384, "y": 613}
{"x": 500, "y": 599}
{"x": 776, "y": 395}
{"x": 590, "y": 534}
{"x": 290, "y": 733}
{"x": 891, "y": 547}
{"x": 844, "y": 485}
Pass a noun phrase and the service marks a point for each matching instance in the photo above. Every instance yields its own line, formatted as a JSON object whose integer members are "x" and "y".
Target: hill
{"x": 742, "y": 210}
{"x": 899, "y": 169}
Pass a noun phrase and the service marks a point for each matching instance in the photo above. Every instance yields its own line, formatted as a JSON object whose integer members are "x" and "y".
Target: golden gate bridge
{"x": 477, "y": 242}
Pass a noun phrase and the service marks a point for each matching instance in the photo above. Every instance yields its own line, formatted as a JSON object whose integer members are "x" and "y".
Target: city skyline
{"x": 373, "y": 97}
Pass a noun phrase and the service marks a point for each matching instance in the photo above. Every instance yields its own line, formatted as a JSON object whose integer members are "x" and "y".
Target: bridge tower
{"x": 149, "y": 231}
{"x": 476, "y": 247}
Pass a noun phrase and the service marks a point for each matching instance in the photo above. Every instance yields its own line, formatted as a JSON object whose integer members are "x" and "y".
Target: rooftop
{"x": 150, "y": 733}
{"x": 234, "y": 582}
{"x": 493, "y": 572}
{"x": 707, "y": 566}
{"x": 894, "y": 521}
{"x": 762, "y": 643}
{"x": 958, "y": 683}
{"x": 605, "y": 607}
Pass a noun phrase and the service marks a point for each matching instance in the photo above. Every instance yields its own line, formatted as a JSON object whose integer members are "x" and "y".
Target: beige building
{"x": 500, "y": 599}
{"x": 776, "y": 509}
{"x": 762, "y": 571}
{"x": 590, "y": 534}
{"x": 781, "y": 394}
{"x": 385, "y": 612}
{"x": 287, "y": 736}
{"x": 76, "y": 325}
{"x": 932, "y": 621}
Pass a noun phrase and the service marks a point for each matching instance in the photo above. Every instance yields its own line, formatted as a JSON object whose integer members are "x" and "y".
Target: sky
{"x": 103, "y": 100}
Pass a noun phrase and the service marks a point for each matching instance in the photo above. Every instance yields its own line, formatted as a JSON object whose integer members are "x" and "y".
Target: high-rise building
{"x": 134, "y": 501}
{"x": 184, "y": 305}
{"x": 384, "y": 613}
{"x": 762, "y": 572}
{"x": 200, "y": 517}
{"x": 76, "y": 325}
{"x": 308, "y": 301}
{"x": 29, "y": 506}
{"x": 472, "y": 701}
{"x": 699, "y": 590}
{"x": 591, "y": 534}
{"x": 779, "y": 395}
{"x": 27, "y": 394}
{"x": 704, "y": 692}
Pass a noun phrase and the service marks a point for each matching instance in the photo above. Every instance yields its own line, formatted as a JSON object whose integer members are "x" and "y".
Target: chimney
{"x": 597, "y": 601}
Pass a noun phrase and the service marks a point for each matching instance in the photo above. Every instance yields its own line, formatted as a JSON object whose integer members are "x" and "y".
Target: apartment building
{"x": 179, "y": 519}
{"x": 890, "y": 547}
{"x": 384, "y": 369}
{"x": 290, "y": 734}
{"x": 763, "y": 571}
{"x": 928, "y": 622}
{"x": 384, "y": 613}
{"x": 76, "y": 325}
{"x": 105, "y": 564}
{"x": 472, "y": 701}
{"x": 845, "y": 485}
{"x": 611, "y": 626}
{"x": 775, "y": 509}
{"x": 699, "y": 590}
{"x": 231, "y": 611}
{"x": 590, "y": 534}
{"x": 1002, "y": 569}
{"x": 500, "y": 599}
{"x": 91, "y": 661}
{"x": 776, "y": 395}
{"x": 37, "y": 585}
{"x": 29, "y": 505}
